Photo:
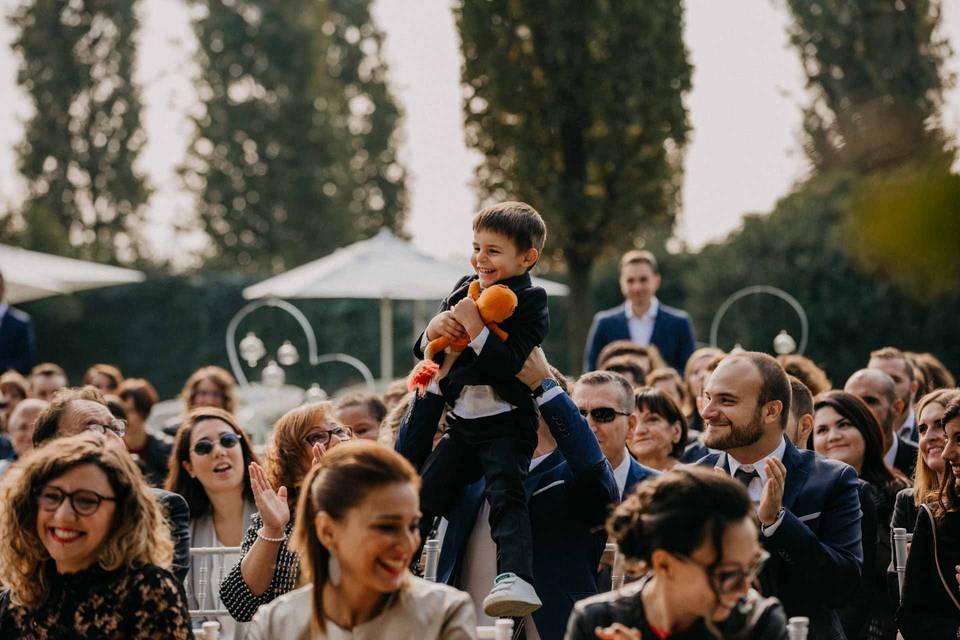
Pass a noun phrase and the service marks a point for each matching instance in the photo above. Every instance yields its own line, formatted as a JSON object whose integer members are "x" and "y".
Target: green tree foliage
{"x": 577, "y": 109}
{"x": 875, "y": 68}
{"x": 802, "y": 247}
{"x": 82, "y": 141}
{"x": 295, "y": 150}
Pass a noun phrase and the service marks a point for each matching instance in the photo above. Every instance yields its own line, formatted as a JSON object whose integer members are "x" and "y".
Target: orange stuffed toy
{"x": 495, "y": 304}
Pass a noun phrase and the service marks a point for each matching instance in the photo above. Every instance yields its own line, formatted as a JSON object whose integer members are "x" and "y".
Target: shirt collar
{"x": 891, "y": 455}
{"x": 622, "y": 471}
{"x": 650, "y": 314}
{"x": 758, "y": 466}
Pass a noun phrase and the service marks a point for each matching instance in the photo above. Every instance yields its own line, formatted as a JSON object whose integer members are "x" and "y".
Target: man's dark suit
{"x": 16, "y": 341}
{"x": 815, "y": 555}
{"x": 906, "y": 458}
{"x": 568, "y": 495}
{"x": 672, "y": 335}
{"x": 177, "y": 512}
{"x": 637, "y": 473}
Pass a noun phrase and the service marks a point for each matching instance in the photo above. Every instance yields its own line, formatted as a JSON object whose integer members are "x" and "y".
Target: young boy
{"x": 492, "y": 421}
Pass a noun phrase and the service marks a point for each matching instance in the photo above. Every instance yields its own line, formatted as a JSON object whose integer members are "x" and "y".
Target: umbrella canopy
{"x": 29, "y": 275}
{"x": 382, "y": 268}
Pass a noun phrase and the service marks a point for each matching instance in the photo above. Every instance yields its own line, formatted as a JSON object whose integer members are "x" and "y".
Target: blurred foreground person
{"x": 85, "y": 546}
{"x": 357, "y": 528}
{"x": 46, "y": 379}
{"x": 693, "y": 531}
{"x": 105, "y": 377}
{"x": 20, "y": 429}
{"x": 268, "y": 567}
{"x": 930, "y": 603}
{"x": 210, "y": 469}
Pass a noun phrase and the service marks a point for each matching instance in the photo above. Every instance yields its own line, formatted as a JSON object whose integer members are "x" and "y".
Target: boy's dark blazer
{"x": 498, "y": 362}
{"x": 816, "y": 557}
{"x": 672, "y": 335}
{"x": 569, "y": 494}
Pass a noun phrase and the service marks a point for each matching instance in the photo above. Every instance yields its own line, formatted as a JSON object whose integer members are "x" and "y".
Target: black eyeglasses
{"x": 84, "y": 502}
{"x": 602, "y": 414}
{"x": 730, "y": 580}
{"x": 116, "y": 425}
{"x": 323, "y": 437}
{"x": 228, "y": 440}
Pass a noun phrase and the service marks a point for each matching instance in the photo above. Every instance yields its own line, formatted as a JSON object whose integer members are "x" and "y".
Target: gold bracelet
{"x": 263, "y": 537}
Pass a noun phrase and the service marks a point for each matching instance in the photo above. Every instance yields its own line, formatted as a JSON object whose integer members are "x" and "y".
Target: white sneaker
{"x": 511, "y": 597}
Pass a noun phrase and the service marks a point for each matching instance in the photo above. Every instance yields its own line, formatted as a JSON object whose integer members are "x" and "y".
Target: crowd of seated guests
{"x": 818, "y": 479}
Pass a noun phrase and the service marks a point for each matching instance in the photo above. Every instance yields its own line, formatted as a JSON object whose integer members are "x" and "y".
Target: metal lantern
{"x": 252, "y": 349}
{"x": 784, "y": 343}
{"x": 287, "y": 354}
{"x": 273, "y": 375}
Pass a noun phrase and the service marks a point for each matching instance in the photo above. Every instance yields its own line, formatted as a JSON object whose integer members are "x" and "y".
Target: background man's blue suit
{"x": 672, "y": 335}
{"x": 16, "y": 341}
{"x": 568, "y": 494}
{"x": 815, "y": 555}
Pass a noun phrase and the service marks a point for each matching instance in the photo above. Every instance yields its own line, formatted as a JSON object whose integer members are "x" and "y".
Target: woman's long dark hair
{"x": 949, "y": 497}
{"x": 874, "y": 470}
{"x": 179, "y": 481}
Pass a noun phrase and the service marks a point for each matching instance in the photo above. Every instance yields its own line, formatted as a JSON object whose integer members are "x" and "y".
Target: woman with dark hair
{"x": 660, "y": 436}
{"x": 930, "y": 603}
{"x": 692, "y": 530}
{"x": 845, "y": 429}
{"x": 152, "y": 453}
{"x": 357, "y": 531}
{"x": 268, "y": 567}
{"x": 86, "y": 550}
{"x": 209, "y": 468}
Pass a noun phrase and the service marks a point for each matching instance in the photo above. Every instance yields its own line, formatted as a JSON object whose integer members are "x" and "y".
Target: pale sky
{"x": 744, "y": 108}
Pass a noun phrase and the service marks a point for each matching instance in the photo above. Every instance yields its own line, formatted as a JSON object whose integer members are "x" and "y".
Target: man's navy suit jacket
{"x": 672, "y": 335}
{"x": 569, "y": 494}
{"x": 16, "y": 341}
{"x": 815, "y": 554}
{"x": 637, "y": 473}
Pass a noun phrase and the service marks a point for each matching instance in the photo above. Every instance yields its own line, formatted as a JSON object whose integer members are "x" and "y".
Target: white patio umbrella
{"x": 30, "y": 275}
{"x": 383, "y": 268}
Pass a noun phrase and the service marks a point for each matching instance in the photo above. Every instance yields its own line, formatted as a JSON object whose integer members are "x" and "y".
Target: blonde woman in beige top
{"x": 357, "y": 530}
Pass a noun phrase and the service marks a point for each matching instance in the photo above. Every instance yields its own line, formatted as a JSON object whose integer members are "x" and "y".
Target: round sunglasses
{"x": 204, "y": 446}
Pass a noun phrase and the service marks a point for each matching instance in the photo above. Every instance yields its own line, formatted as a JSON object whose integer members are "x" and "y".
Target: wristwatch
{"x": 546, "y": 385}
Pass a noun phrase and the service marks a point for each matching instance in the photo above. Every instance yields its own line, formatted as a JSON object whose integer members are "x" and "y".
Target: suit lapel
{"x": 797, "y": 472}
{"x": 621, "y": 329}
{"x": 533, "y": 481}
{"x": 659, "y": 330}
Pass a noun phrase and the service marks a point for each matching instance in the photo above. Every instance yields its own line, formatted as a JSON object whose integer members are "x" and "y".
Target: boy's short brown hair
{"x": 516, "y": 220}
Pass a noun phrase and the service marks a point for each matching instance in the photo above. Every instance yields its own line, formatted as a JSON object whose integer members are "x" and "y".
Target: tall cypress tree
{"x": 84, "y": 137}
{"x": 294, "y": 152}
{"x": 577, "y": 108}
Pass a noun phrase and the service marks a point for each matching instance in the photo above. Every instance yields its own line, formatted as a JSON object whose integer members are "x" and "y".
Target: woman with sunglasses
{"x": 209, "y": 468}
{"x": 85, "y": 543}
{"x": 692, "y": 532}
{"x": 268, "y": 568}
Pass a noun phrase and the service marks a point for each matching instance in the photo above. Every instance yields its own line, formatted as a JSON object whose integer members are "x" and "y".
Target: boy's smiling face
{"x": 496, "y": 257}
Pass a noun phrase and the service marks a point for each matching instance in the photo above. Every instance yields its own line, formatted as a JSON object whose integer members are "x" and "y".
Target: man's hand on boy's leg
{"x": 468, "y": 315}
{"x": 444, "y": 325}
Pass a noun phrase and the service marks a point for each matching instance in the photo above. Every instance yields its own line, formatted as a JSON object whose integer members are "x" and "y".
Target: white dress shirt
{"x": 906, "y": 430}
{"x": 476, "y": 400}
{"x": 641, "y": 327}
{"x": 755, "y": 488}
{"x": 622, "y": 471}
{"x": 891, "y": 455}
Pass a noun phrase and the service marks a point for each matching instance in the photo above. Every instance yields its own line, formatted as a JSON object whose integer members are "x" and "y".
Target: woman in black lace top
{"x": 268, "y": 568}
{"x": 86, "y": 549}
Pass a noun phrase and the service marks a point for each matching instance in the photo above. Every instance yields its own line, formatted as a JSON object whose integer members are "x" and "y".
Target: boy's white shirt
{"x": 476, "y": 400}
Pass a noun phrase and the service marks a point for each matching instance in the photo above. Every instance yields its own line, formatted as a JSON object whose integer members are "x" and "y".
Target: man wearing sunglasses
{"x": 807, "y": 506}
{"x": 605, "y": 400}
{"x": 74, "y": 411}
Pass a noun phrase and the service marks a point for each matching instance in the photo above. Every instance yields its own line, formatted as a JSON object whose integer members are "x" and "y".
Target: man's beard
{"x": 737, "y": 435}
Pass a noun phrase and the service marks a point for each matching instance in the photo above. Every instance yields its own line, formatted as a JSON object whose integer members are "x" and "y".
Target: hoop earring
{"x": 333, "y": 571}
